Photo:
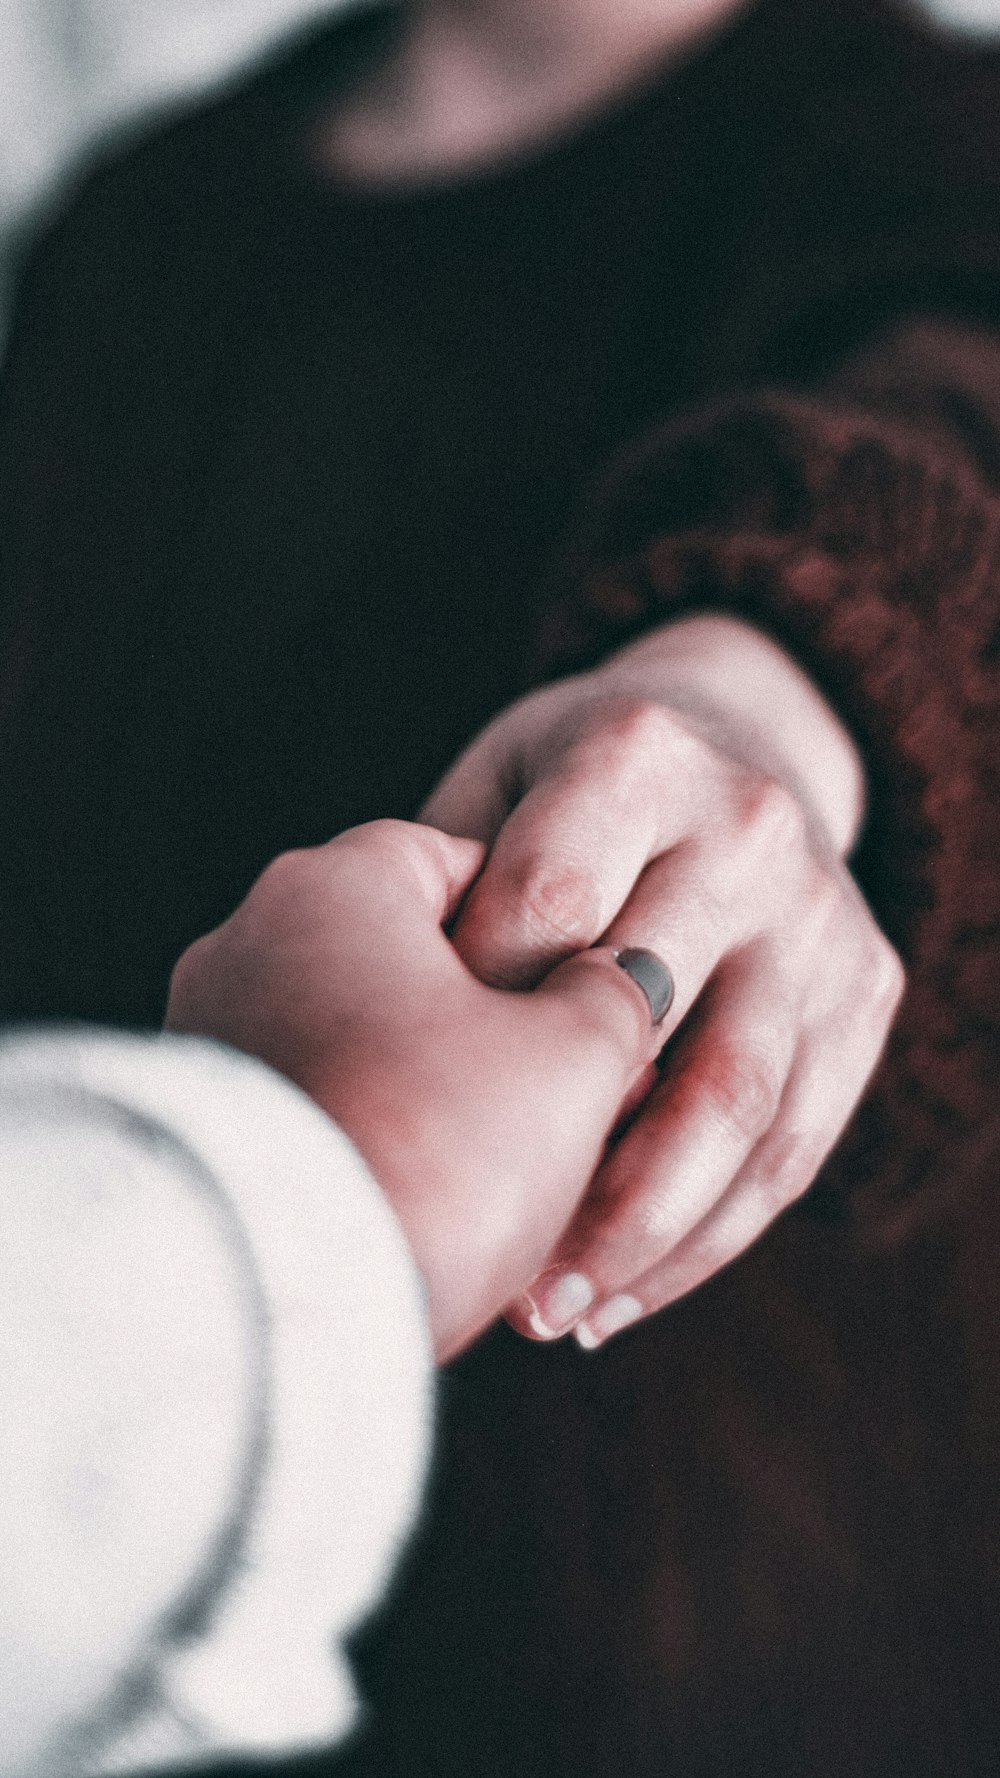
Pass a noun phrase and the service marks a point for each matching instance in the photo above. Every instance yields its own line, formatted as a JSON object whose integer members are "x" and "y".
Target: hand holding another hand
{"x": 695, "y": 796}
{"x": 483, "y": 1113}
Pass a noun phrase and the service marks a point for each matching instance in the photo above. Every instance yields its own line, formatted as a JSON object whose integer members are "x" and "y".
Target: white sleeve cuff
{"x": 348, "y": 1399}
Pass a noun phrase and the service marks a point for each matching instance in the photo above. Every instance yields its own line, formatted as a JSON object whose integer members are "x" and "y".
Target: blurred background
{"x": 222, "y": 377}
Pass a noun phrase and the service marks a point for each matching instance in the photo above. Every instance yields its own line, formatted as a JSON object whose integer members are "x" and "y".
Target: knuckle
{"x": 385, "y": 838}
{"x": 821, "y": 913}
{"x": 556, "y": 903}
{"x": 826, "y": 899}
{"x": 279, "y": 891}
{"x": 658, "y": 1222}
{"x": 386, "y": 829}
{"x": 633, "y": 733}
{"x": 889, "y": 977}
{"x": 772, "y": 816}
{"x": 278, "y": 870}
{"x": 394, "y": 851}
{"x": 282, "y": 876}
{"x": 635, "y": 723}
{"x": 742, "y": 1086}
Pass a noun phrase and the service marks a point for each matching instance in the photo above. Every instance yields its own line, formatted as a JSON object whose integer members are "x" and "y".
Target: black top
{"x": 283, "y": 465}
{"x": 281, "y": 473}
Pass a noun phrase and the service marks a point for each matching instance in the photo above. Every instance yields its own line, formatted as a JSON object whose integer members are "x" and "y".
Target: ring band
{"x": 652, "y": 976}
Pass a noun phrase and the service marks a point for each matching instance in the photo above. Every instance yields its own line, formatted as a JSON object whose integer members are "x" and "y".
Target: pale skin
{"x": 478, "y": 81}
{"x": 659, "y": 803}
{"x": 695, "y": 796}
{"x": 482, "y": 1112}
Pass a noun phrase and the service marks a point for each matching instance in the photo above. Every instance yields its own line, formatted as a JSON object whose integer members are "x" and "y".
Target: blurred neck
{"x": 477, "y": 81}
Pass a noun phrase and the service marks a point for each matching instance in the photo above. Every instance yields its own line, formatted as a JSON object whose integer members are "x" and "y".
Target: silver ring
{"x": 652, "y": 976}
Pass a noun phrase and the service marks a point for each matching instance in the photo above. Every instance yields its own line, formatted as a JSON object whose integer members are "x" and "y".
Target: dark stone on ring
{"x": 652, "y": 976}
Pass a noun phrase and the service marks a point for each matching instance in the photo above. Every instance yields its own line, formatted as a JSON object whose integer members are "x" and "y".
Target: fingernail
{"x": 555, "y": 1306}
{"x": 610, "y": 1318}
{"x": 651, "y": 975}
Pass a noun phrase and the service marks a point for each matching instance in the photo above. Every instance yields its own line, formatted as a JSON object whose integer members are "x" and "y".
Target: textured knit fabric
{"x": 256, "y": 1530}
{"x": 860, "y": 525}
{"x": 294, "y": 483}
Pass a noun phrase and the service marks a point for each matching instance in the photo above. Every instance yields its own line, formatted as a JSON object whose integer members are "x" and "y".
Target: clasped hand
{"x": 451, "y": 996}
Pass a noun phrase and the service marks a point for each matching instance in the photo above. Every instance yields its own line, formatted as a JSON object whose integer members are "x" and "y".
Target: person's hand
{"x": 695, "y": 796}
{"x": 482, "y": 1113}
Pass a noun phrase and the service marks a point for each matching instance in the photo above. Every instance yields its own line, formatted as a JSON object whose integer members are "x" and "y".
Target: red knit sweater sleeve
{"x": 860, "y": 526}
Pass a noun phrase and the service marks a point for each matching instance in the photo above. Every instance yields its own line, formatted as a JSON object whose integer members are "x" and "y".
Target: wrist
{"x": 754, "y": 699}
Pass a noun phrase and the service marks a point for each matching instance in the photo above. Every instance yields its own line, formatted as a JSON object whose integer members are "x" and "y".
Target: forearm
{"x": 744, "y": 687}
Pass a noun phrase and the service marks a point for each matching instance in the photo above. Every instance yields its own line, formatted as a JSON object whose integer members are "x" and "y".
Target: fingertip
{"x": 609, "y": 1003}
{"x": 456, "y": 862}
{"x": 551, "y": 1305}
{"x": 525, "y": 1323}
{"x": 613, "y": 1317}
{"x": 486, "y": 945}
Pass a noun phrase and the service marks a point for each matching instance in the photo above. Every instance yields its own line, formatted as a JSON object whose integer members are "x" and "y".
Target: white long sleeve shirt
{"x": 215, "y": 1401}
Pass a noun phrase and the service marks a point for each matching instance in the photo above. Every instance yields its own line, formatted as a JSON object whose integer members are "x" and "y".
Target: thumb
{"x": 615, "y": 1002}
{"x": 447, "y": 865}
{"x": 418, "y": 870}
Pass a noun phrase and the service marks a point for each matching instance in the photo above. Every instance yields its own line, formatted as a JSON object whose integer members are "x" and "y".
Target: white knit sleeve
{"x": 242, "y": 1656}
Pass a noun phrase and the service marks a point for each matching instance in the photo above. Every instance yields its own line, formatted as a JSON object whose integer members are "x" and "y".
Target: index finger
{"x": 567, "y": 857}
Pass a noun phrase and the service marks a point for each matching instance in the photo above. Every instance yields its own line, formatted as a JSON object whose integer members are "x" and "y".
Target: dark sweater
{"x": 295, "y": 487}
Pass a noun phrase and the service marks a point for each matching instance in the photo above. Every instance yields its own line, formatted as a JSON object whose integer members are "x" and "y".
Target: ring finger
{"x": 824, "y": 1085}
{"x": 719, "y": 1095}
